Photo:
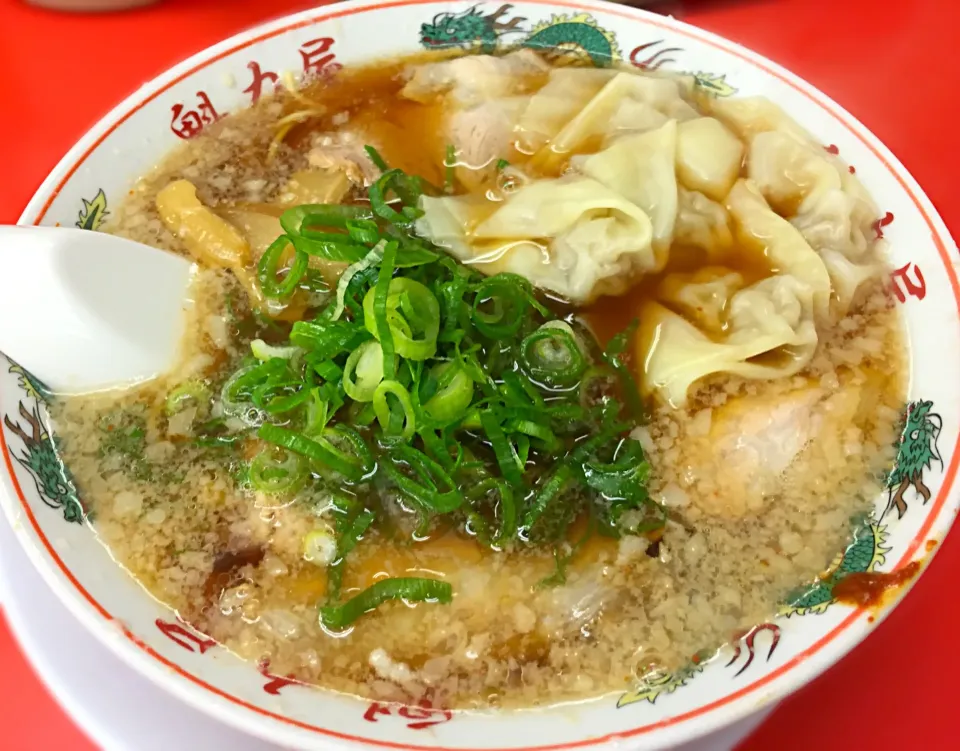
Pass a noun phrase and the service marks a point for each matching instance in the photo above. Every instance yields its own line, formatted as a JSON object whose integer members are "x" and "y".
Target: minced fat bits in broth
{"x": 769, "y": 358}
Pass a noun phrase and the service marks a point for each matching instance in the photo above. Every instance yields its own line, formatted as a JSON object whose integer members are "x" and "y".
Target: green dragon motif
{"x": 93, "y": 213}
{"x": 864, "y": 554}
{"x": 478, "y": 32}
{"x": 656, "y": 683}
{"x": 35, "y": 388}
{"x": 652, "y": 56}
{"x": 659, "y": 682}
{"x": 469, "y": 30}
{"x": 40, "y": 455}
{"x": 577, "y": 35}
{"x": 916, "y": 452}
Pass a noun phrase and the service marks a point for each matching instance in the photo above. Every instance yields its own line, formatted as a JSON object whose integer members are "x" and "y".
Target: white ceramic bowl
{"x": 767, "y": 664}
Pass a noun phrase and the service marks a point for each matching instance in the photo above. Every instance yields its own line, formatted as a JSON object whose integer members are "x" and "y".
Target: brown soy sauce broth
{"x": 366, "y": 101}
{"x": 231, "y": 563}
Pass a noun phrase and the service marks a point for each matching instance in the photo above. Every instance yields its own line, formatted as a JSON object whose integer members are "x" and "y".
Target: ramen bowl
{"x": 808, "y": 635}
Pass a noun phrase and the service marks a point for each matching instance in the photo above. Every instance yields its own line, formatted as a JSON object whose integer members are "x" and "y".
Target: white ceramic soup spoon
{"x": 85, "y": 310}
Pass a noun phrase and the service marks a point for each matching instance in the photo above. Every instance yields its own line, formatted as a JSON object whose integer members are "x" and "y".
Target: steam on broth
{"x": 505, "y": 382}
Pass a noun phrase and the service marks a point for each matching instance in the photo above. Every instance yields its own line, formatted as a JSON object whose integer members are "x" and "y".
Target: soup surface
{"x": 591, "y": 375}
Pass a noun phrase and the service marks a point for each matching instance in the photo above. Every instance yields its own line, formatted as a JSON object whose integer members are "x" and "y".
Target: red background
{"x": 894, "y": 64}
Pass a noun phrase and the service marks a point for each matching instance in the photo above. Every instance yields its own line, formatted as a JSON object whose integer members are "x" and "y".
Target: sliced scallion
{"x": 363, "y": 371}
{"x": 400, "y": 425}
{"x": 370, "y": 259}
{"x": 453, "y": 394}
{"x": 268, "y": 269}
{"x": 179, "y": 397}
{"x": 276, "y": 470}
{"x": 408, "y": 313}
{"x": 411, "y": 589}
{"x": 263, "y": 351}
{"x": 551, "y": 355}
{"x": 339, "y": 449}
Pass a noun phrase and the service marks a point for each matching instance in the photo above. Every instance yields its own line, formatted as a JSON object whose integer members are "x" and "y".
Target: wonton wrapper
{"x": 760, "y": 228}
{"x": 819, "y": 195}
{"x": 595, "y": 118}
{"x": 804, "y": 182}
{"x": 702, "y": 223}
{"x": 702, "y": 296}
{"x": 572, "y": 236}
{"x": 765, "y": 319}
{"x": 747, "y": 116}
{"x": 774, "y": 318}
{"x": 708, "y": 157}
{"x": 640, "y": 167}
{"x": 566, "y": 93}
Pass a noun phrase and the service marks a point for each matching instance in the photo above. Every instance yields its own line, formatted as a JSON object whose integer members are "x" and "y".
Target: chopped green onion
{"x": 507, "y": 507}
{"x": 178, "y": 398}
{"x": 326, "y": 452}
{"x": 507, "y": 456}
{"x": 411, "y": 589}
{"x": 363, "y": 231}
{"x": 280, "y": 398}
{"x": 453, "y": 394}
{"x": 552, "y": 356}
{"x": 299, "y": 218}
{"x": 370, "y": 259}
{"x": 425, "y": 353}
{"x": 541, "y": 433}
{"x": 320, "y": 408}
{"x": 276, "y": 470}
{"x": 547, "y": 492}
{"x": 391, "y": 179}
{"x": 352, "y": 527}
{"x": 613, "y": 355}
{"x": 500, "y": 305}
{"x": 520, "y": 391}
{"x": 298, "y": 223}
{"x": 385, "y": 415}
{"x": 437, "y": 493}
{"x": 263, "y": 351}
{"x": 624, "y": 478}
{"x": 408, "y": 312}
{"x": 277, "y": 389}
{"x": 363, "y": 371}
{"x": 236, "y": 395}
{"x": 267, "y": 270}
{"x": 375, "y": 313}
{"x": 329, "y": 249}
{"x": 409, "y": 256}
{"x": 378, "y": 161}
{"x": 319, "y": 547}
{"x": 324, "y": 340}
{"x": 328, "y": 370}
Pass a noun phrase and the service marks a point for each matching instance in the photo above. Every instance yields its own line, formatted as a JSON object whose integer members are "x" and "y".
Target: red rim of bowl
{"x": 283, "y": 25}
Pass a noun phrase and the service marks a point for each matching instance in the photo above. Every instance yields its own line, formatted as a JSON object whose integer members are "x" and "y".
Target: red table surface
{"x": 893, "y": 63}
